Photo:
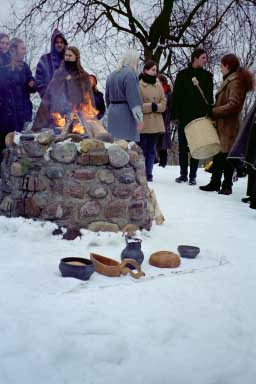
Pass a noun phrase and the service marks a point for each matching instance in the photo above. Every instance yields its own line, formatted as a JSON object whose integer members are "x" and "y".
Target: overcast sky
{"x": 6, "y": 8}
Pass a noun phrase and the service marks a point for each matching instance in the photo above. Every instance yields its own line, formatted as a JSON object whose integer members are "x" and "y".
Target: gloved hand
{"x": 154, "y": 107}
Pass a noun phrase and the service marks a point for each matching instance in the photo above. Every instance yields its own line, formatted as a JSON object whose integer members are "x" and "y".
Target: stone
{"x": 135, "y": 147}
{"x": 99, "y": 157}
{"x": 21, "y": 152}
{"x": 57, "y": 186}
{"x": 103, "y": 226}
{"x": 33, "y": 149}
{"x": 64, "y": 153}
{"x": 84, "y": 174}
{"x": 97, "y": 191}
{"x": 7, "y": 205}
{"x": 141, "y": 178}
{"x": 56, "y": 210}
{"x": 89, "y": 144}
{"x": 139, "y": 193}
{"x": 136, "y": 209}
{"x": 91, "y": 208}
{"x": 133, "y": 157}
{"x": 41, "y": 199}
{"x": 122, "y": 191}
{"x": 115, "y": 209}
{"x": 118, "y": 157}
{"x": 55, "y": 172}
{"x": 106, "y": 176}
{"x": 123, "y": 144}
{"x": 32, "y": 183}
{"x": 83, "y": 159}
{"x": 17, "y": 169}
{"x": 74, "y": 188}
{"x": 27, "y": 207}
{"x": 45, "y": 138}
{"x": 140, "y": 165}
{"x": 127, "y": 178}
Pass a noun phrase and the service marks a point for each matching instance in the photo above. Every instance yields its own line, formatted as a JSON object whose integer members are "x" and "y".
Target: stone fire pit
{"x": 76, "y": 183}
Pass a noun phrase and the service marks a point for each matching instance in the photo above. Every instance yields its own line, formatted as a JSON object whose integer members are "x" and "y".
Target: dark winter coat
{"x": 48, "y": 64}
{"x": 15, "y": 103}
{"x": 244, "y": 147}
{"x": 166, "y": 139}
{"x": 123, "y": 85}
{"x": 64, "y": 94}
{"x": 188, "y": 103}
{"x": 4, "y": 59}
{"x": 229, "y": 104}
{"x": 99, "y": 103}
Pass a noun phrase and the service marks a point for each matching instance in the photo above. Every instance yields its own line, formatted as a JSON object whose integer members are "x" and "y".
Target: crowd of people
{"x": 140, "y": 107}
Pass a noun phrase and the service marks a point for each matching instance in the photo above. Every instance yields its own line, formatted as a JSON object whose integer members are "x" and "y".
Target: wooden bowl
{"x": 112, "y": 268}
{"x": 105, "y": 265}
{"x": 164, "y": 259}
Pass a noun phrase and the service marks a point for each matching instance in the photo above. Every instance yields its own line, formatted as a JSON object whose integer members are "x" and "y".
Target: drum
{"x": 202, "y": 138}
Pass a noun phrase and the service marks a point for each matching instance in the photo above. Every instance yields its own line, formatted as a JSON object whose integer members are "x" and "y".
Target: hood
{"x": 57, "y": 33}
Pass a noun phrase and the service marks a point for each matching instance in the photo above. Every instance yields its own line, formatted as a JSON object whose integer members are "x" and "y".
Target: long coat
{"x": 123, "y": 85}
{"x": 99, "y": 103}
{"x": 65, "y": 92}
{"x": 153, "y": 93}
{"x": 15, "y": 103}
{"x": 188, "y": 103}
{"x": 244, "y": 147}
{"x": 166, "y": 139}
{"x": 229, "y": 104}
{"x": 48, "y": 64}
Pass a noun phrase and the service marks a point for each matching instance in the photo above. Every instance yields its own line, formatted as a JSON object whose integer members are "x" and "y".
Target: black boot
{"x": 181, "y": 179}
{"x": 209, "y": 188}
{"x": 225, "y": 191}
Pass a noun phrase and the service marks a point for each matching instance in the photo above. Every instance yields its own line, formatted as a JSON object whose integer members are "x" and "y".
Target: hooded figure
{"x": 69, "y": 88}
{"x": 51, "y": 61}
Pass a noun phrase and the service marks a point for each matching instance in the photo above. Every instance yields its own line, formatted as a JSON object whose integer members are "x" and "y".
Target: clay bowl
{"x": 188, "y": 251}
{"x": 105, "y": 265}
{"x": 164, "y": 259}
{"x": 76, "y": 267}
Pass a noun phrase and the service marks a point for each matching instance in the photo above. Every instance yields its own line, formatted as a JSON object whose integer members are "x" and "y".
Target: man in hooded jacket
{"x": 51, "y": 61}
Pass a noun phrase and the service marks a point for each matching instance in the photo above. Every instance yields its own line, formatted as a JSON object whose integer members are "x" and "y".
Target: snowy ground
{"x": 194, "y": 324}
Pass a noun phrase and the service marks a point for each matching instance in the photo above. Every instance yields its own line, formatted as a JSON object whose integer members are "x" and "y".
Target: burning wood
{"x": 58, "y": 120}
{"x": 80, "y": 121}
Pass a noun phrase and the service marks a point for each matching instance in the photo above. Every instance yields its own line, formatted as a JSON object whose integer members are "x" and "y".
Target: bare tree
{"x": 164, "y": 30}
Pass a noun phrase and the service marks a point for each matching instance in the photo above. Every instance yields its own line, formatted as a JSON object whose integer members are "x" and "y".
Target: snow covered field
{"x": 194, "y": 324}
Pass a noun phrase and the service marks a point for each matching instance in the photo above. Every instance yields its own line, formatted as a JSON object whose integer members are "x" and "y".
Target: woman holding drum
{"x": 237, "y": 81}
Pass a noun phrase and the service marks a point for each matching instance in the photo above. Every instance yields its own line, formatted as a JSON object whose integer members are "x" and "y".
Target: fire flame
{"x": 59, "y": 121}
{"x": 85, "y": 109}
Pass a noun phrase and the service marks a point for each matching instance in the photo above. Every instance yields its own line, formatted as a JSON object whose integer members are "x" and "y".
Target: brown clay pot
{"x": 164, "y": 259}
{"x": 112, "y": 268}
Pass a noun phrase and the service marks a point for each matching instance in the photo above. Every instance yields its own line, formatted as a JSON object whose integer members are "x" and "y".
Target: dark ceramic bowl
{"x": 188, "y": 251}
{"x": 77, "y": 267}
